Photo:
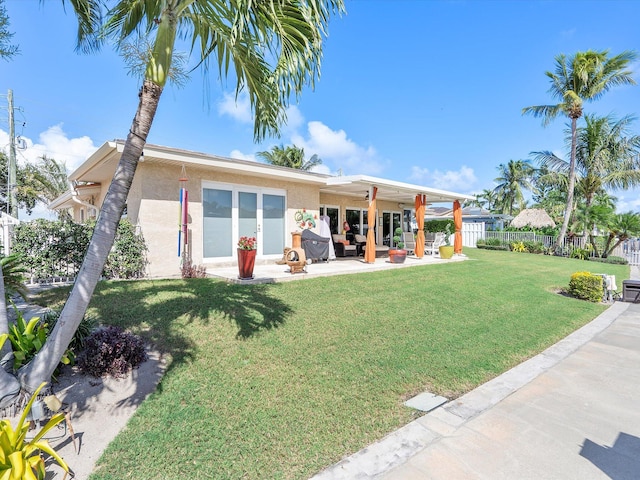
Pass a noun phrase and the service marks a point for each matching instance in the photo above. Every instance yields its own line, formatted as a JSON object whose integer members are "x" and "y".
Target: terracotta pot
{"x": 446, "y": 251}
{"x": 397, "y": 255}
{"x": 246, "y": 261}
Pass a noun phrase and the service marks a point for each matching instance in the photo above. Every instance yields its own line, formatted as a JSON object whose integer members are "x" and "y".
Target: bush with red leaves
{"x": 111, "y": 351}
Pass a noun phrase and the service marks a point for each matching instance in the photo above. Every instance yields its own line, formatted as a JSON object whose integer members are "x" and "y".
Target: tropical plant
{"x": 518, "y": 247}
{"x": 13, "y": 271}
{"x": 46, "y": 180}
{"x": 21, "y": 459}
{"x": 28, "y": 337}
{"x": 583, "y": 77}
{"x": 621, "y": 227}
{"x": 274, "y": 48}
{"x": 514, "y": 177}
{"x": 290, "y": 156}
{"x": 606, "y": 158}
{"x": 447, "y": 234}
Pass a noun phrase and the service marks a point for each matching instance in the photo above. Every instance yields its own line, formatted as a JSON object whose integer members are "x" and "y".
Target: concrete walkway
{"x": 572, "y": 412}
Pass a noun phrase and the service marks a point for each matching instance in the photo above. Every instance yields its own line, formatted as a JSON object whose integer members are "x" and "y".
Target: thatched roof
{"x": 533, "y": 217}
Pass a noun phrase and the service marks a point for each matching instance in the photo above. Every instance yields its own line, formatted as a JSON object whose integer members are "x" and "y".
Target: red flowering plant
{"x": 247, "y": 243}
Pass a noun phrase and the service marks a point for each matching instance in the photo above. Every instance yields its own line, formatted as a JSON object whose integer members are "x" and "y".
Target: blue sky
{"x": 421, "y": 91}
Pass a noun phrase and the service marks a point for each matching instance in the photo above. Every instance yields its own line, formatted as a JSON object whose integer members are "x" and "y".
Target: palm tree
{"x": 622, "y": 227}
{"x": 514, "y": 177}
{"x": 274, "y": 48}
{"x": 584, "y": 77}
{"x": 606, "y": 158}
{"x": 290, "y": 156}
{"x": 45, "y": 181}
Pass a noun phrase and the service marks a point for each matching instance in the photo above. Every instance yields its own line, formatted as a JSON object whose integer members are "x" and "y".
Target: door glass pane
{"x": 274, "y": 224}
{"x": 353, "y": 219}
{"x": 216, "y": 229}
{"x": 396, "y": 223}
{"x": 365, "y": 221}
{"x": 386, "y": 228}
{"x": 332, "y": 213}
{"x": 247, "y": 214}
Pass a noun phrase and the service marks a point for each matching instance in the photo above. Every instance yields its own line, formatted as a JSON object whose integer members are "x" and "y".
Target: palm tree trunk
{"x": 42, "y": 366}
{"x": 572, "y": 183}
{"x": 9, "y": 385}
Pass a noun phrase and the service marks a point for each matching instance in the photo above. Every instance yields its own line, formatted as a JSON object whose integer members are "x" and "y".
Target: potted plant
{"x": 246, "y": 257}
{"x": 397, "y": 254}
{"x": 446, "y": 250}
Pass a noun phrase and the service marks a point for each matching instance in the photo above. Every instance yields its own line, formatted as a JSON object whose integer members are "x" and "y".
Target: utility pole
{"x": 12, "y": 203}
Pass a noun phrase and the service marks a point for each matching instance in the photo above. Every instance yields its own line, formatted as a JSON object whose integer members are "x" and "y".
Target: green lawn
{"x": 281, "y": 381}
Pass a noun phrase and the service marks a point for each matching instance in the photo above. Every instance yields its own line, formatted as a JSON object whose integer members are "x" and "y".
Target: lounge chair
{"x": 409, "y": 241}
{"x": 360, "y": 241}
{"x": 434, "y": 247}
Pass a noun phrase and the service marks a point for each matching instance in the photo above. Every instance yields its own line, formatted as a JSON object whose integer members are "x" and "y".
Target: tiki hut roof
{"x": 533, "y": 217}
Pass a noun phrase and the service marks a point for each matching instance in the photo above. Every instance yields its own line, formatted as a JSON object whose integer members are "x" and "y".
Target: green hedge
{"x": 51, "y": 249}
{"x": 611, "y": 259}
{"x": 435, "y": 226}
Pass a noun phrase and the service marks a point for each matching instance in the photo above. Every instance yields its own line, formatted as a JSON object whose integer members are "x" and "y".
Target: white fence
{"x": 472, "y": 232}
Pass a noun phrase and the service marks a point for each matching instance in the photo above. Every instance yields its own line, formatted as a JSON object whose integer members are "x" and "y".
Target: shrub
{"x": 581, "y": 253}
{"x": 56, "y": 249}
{"x": 586, "y": 286}
{"x": 534, "y": 247}
{"x": 494, "y": 241}
{"x": 494, "y": 247}
{"x": 87, "y": 325}
{"x": 190, "y": 270}
{"x": 610, "y": 259}
{"x": 518, "y": 247}
{"x": 435, "y": 226}
{"x": 27, "y": 338}
{"x": 111, "y": 351}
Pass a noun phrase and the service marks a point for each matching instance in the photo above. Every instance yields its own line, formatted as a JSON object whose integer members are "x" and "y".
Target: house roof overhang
{"x": 359, "y": 186}
{"x": 100, "y": 167}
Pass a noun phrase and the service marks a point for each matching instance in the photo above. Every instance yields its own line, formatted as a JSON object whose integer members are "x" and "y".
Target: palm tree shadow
{"x": 620, "y": 461}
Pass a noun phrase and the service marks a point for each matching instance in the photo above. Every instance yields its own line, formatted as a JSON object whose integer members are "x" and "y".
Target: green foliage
{"x": 552, "y": 231}
{"x": 534, "y": 247}
{"x": 581, "y": 253}
{"x": 612, "y": 259}
{"x": 13, "y": 270}
{"x": 127, "y": 258}
{"x": 435, "y": 226}
{"x": 397, "y": 238}
{"x": 87, "y": 325}
{"x": 586, "y": 286}
{"x": 27, "y": 338}
{"x": 56, "y": 249}
{"x": 21, "y": 459}
{"x": 518, "y": 247}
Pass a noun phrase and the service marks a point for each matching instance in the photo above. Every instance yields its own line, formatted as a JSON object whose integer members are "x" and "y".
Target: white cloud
{"x": 243, "y": 156}
{"x": 630, "y": 201}
{"x": 337, "y": 151}
{"x": 238, "y": 109}
{"x": 462, "y": 180}
{"x": 53, "y": 143}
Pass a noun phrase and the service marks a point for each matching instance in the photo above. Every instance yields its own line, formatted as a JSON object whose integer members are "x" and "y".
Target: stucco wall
{"x": 154, "y": 205}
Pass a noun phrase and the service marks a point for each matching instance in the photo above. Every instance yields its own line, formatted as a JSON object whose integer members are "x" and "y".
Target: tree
{"x": 584, "y": 77}
{"x": 41, "y": 182}
{"x": 606, "y": 158}
{"x": 621, "y": 227}
{"x": 274, "y": 48}
{"x": 486, "y": 199}
{"x": 291, "y": 156}
{"x": 514, "y": 177}
{"x": 7, "y": 50}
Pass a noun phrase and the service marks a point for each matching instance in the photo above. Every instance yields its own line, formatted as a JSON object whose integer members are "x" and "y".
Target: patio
{"x": 272, "y": 272}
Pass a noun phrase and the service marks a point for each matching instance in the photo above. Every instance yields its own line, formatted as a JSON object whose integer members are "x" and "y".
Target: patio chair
{"x": 360, "y": 241}
{"x": 433, "y": 247}
{"x": 409, "y": 240}
{"x": 343, "y": 247}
